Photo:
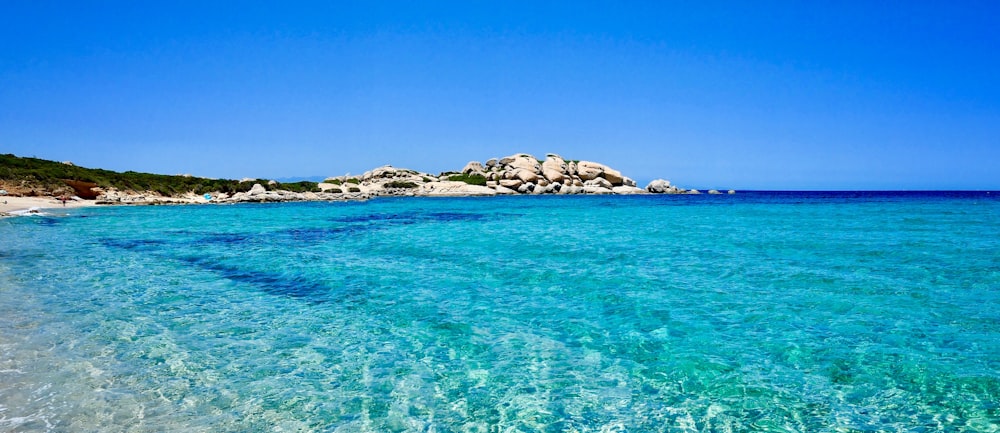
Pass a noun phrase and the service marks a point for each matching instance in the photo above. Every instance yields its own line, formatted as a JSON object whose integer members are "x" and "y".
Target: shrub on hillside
{"x": 473, "y": 179}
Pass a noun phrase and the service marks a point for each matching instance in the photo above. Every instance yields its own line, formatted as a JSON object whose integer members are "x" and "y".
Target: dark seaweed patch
{"x": 271, "y": 283}
{"x": 133, "y": 244}
{"x": 227, "y": 238}
{"x": 46, "y": 221}
{"x": 410, "y": 218}
{"x": 455, "y": 216}
{"x": 368, "y": 218}
{"x": 319, "y": 233}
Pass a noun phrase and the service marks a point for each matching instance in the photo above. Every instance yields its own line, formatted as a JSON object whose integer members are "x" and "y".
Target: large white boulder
{"x": 385, "y": 172}
{"x": 658, "y": 186}
{"x": 554, "y": 168}
{"x": 324, "y": 186}
{"x": 613, "y": 176}
{"x": 596, "y": 190}
{"x": 256, "y": 189}
{"x": 500, "y": 189}
{"x": 628, "y": 190}
{"x": 598, "y": 182}
{"x": 587, "y": 170}
{"x": 525, "y": 175}
{"x": 473, "y": 167}
{"x": 511, "y": 183}
{"x": 522, "y": 161}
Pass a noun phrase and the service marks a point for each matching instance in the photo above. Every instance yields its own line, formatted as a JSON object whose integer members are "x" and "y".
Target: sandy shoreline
{"x": 14, "y": 204}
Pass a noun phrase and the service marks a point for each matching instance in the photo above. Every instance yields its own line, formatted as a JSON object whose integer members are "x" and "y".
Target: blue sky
{"x": 746, "y": 95}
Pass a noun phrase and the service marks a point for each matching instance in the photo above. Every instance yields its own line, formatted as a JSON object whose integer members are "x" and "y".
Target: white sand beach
{"x": 15, "y": 204}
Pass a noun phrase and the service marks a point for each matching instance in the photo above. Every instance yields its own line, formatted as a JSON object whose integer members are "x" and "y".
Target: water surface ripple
{"x": 820, "y": 312}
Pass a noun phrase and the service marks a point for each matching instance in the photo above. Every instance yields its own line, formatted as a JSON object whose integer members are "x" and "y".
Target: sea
{"x": 759, "y": 311}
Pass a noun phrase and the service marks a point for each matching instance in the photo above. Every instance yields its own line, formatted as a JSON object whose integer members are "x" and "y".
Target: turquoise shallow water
{"x": 857, "y": 312}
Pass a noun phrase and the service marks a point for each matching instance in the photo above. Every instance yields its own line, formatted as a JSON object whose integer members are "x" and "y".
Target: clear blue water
{"x": 857, "y": 312}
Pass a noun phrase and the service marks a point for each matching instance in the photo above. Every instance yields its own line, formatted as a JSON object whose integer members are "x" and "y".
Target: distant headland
{"x": 519, "y": 173}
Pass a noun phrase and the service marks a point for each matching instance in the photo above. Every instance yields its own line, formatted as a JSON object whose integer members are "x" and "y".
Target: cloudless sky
{"x": 708, "y": 94}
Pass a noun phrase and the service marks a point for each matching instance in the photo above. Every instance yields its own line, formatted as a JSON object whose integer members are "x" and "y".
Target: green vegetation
{"x": 354, "y": 189}
{"x": 336, "y": 182}
{"x": 471, "y": 179}
{"x": 353, "y": 180}
{"x": 51, "y": 177}
{"x": 303, "y": 186}
{"x": 400, "y": 184}
{"x": 335, "y": 190}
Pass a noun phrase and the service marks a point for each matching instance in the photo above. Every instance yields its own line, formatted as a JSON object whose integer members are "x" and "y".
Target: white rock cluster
{"x": 660, "y": 186}
{"x": 516, "y": 174}
{"x": 258, "y": 193}
{"x": 523, "y": 173}
{"x": 114, "y": 196}
{"x": 520, "y": 173}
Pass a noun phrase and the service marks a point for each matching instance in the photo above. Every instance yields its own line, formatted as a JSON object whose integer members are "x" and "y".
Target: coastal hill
{"x": 516, "y": 174}
{"x": 33, "y": 177}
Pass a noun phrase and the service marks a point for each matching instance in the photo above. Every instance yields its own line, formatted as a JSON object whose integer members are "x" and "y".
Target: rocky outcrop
{"x": 519, "y": 173}
{"x": 599, "y": 182}
{"x": 510, "y": 183}
{"x": 522, "y": 161}
{"x": 587, "y": 170}
{"x": 473, "y": 167}
{"x": 522, "y": 173}
{"x": 554, "y": 168}
{"x": 627, "y": 190}
{"x": 259, "y": 194}
{"x": 660, "y": 186}
{"x": 84, "y": 190}
{"x": 256, "y": 190}
{"x": 526, "y": 176}
{"x": 452, "y": 189}
{"x": 115, "y": 196}
{"x": 613, "y": 176}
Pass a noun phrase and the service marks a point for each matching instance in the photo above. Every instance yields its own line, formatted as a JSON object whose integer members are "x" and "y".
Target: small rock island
{"x": 520, "y": 173}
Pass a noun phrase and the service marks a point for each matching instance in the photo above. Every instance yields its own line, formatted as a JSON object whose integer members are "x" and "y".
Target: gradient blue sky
{"x": 746, "y": 95}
